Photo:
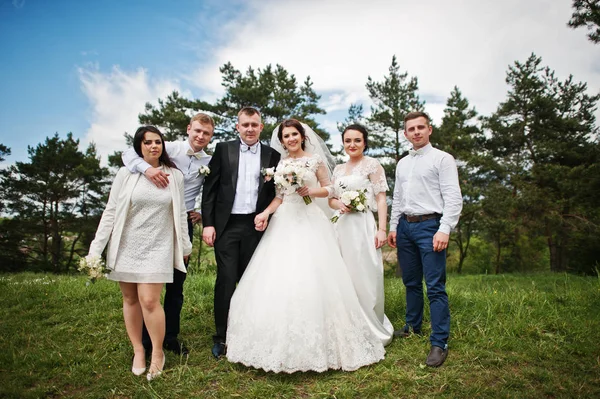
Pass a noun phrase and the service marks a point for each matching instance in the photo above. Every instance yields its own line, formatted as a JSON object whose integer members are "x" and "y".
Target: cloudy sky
{"x": 89, "y": 67}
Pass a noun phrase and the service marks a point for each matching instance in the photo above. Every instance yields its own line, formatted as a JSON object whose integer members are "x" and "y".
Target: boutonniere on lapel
{"x": 267, "y": 173}
{"x": 203, "y": 170}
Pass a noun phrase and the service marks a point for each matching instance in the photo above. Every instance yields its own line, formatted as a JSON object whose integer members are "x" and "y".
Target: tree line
{"x": 529, "y": 172}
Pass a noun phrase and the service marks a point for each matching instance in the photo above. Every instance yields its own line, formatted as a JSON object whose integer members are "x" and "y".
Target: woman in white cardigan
{"x": 144, "y": 228}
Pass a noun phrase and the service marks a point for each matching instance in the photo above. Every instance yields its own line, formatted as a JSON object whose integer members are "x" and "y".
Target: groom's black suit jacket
{"x": 219, "y": 187}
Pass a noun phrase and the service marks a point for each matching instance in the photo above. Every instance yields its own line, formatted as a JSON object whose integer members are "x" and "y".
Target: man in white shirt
{"x": 426, "y": 206}
{"x": 234, "y": 192}
{"x": 188, "y": 156}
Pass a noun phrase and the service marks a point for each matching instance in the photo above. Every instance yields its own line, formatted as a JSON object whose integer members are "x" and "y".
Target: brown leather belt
{"x": 420, "y": 218}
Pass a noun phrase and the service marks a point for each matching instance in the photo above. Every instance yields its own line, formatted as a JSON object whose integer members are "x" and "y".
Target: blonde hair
{"x": 203, "y": 118}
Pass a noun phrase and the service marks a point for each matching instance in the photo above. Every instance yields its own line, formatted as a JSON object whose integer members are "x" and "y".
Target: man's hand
{"x": 208, "y": 235}
{"x": 440, "y": 241}
{"x": 261, "y": 221}
{"x": 195, "y": 217}
{"x": 157, "y": 176}
{"x": 392, "y": 239}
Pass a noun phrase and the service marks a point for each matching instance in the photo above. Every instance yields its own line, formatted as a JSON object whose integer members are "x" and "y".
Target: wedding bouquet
{"x": 290, "y": 177}
{"x": 356, "y": 200}
{"x": 203, "y": 170}
{"x": 93, "y": 266}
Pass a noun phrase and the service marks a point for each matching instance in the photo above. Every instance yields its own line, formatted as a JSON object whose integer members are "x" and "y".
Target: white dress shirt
{"x": 187, "y": 164}
{"x": 246, "y": 190}
{"x": 427, "y": 182}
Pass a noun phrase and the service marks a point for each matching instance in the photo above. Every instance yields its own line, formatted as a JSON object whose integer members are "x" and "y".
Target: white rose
{"x": 360, "y": 207}
{"x": 346, "y": 198}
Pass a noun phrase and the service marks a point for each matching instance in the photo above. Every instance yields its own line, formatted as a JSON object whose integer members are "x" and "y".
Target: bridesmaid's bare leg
{"x": 132, "y": 314}
{"x": 154, "y": 317}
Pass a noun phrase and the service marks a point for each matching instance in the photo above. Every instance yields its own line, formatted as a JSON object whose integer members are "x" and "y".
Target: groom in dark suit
{"x": 234, "y": 192}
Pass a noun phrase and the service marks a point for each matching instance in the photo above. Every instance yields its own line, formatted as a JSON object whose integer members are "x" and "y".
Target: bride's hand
{"x": 380, "y": 239}
{"x": 341, "y": 207}
{"x": 304, "y": 191}
{"x": 260, "y": 221}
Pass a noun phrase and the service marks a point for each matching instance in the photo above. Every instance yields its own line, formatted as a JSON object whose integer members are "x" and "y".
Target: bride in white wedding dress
{"x": 295, "y": 308}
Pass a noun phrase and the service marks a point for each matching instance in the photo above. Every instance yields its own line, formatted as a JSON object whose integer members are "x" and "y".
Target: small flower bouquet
{"x": 203, "y": 170}
{"x": 356, "y": 200}
{"x": 267, "y": 173}
{"x": 290, "y": 177}
{"x": 94, "y": 267}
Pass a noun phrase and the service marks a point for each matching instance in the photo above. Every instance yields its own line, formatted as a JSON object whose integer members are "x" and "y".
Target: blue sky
{"x": 88, "y": 67}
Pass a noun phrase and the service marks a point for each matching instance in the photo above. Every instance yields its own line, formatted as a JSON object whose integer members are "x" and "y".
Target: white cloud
{"x": 116, "y": 99}
{"x": 467, "y": 43}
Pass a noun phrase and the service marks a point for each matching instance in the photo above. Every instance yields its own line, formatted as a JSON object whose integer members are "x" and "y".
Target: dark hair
{"x": 138, "y": 137}
{"x": 292, "y": 123}
{"x": 415, "y": 115}
{"x": 360, "y": 128}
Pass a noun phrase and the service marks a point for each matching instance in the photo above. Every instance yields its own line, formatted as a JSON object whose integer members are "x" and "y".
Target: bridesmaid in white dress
{"x": 295, "y": 308}
{"x": 145, "y": 229}
{"x": 359, "y": 237}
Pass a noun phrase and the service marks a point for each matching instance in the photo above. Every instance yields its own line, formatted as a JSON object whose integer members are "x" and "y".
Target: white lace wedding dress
{"x": 295, "y": 308}
{"x": 356, "y": 234}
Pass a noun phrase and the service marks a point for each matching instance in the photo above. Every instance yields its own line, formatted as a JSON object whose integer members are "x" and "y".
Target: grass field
{"x": 517, "y": 336}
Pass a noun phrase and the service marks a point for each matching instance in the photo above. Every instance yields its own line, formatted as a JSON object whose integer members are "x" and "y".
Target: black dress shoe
{"x": 218, "y": 349}
{"x": 405, "y": 333}
{"x": 176, "y": 347}
{"x": 436, "y": 356}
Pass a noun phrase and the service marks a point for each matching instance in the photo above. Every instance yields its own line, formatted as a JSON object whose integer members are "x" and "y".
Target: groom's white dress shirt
{"x": 427, "y": 182}
{"x": 246, "y": 190}
{"x": 187, "y": 164}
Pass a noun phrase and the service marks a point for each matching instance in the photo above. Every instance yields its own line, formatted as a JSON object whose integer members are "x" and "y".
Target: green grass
{"x": 512, "y": 336}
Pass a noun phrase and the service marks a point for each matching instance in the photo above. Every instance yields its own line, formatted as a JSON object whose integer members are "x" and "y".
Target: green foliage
{"x": 274, "y": 91}
{"x": 355, "y": 115}
{"x": 172, "y": 116}
{"x": 512, "y": 336}
{"x": 55, "y": 198}
{"x": 542, "y": 143}
{"x": 460, "y": 136}
{"x": 394, "y": 97}
{"x": 586, "y": 13}
{"x": 4, "y": 151}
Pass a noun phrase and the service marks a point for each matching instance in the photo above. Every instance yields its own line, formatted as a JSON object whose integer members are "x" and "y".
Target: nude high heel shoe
{"x": 137, "y": 370}
{"x": 152, "y": 375}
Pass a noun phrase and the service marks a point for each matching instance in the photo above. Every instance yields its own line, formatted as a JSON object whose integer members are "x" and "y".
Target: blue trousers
{"x": 417, "y": 259}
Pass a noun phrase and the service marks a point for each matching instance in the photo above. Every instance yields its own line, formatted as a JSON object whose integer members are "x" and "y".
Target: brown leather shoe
{"x": 436, "y": 356}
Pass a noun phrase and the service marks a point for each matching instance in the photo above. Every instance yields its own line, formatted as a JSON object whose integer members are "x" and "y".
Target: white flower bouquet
{"x": 203, "y": 170}
{"x": 290, "y": 177}
{"x": 93, "y": 265}
{"x": 355, "y": 200}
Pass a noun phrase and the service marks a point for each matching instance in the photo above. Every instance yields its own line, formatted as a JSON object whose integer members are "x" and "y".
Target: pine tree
{"x": 55, "y": 197}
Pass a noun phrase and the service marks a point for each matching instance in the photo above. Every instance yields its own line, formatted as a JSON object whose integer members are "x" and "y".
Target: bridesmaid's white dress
{"x": 356, "y": 233}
